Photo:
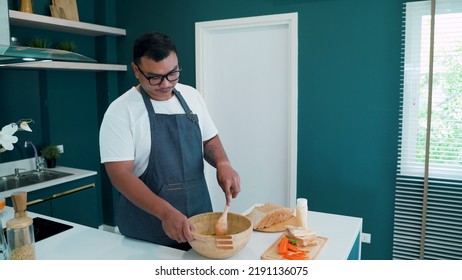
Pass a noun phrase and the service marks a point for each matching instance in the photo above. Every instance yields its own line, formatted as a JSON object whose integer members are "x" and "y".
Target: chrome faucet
{"x": 38, "y": 161}
{"x": 16, "y": 172}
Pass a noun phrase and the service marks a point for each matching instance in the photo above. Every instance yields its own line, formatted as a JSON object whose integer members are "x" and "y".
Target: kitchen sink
{"x": 27, "y": 178}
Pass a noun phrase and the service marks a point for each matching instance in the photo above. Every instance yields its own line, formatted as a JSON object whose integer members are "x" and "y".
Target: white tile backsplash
{"x": 7, "y": 168}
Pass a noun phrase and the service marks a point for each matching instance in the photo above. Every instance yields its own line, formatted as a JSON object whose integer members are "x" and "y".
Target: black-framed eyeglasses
{"x": 156, "y": 80}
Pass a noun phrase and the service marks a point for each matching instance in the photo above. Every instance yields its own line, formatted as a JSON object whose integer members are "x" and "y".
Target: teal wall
{"x": 349, "y": 83}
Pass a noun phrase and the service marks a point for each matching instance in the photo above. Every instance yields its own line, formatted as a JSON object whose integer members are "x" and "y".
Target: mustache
{"x": 166, "y": 88}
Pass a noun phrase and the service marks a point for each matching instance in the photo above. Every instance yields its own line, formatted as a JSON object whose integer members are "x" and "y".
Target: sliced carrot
{"x": 283, "y": 246}
{"x": 301, "y": 255}
{"x": 280, "y": 240}
{"x": 297, "y": 254}
{"x": 292, "y": 248}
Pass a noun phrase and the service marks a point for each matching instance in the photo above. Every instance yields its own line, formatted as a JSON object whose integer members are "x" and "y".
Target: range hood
{"x": 19, "y": 54}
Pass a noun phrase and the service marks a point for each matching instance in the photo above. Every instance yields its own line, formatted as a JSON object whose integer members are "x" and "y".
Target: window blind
{"x": 428, "y": 198}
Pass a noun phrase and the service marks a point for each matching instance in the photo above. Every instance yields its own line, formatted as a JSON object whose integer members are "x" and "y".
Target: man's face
{"x": 158, "y": 78}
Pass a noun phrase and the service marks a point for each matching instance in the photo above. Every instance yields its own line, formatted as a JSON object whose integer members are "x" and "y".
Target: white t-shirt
{"x": 125, "y": 131}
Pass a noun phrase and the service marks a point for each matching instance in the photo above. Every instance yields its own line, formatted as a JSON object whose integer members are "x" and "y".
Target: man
{"x": 153, "y": 140}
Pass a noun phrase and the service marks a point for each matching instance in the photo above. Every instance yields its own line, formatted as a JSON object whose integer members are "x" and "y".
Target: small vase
{"x": 26, "y": 6}
{"x": 51, "y": 163}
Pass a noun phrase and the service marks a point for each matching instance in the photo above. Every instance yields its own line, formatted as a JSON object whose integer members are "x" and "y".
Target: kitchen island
{"x": 86, "y": 243}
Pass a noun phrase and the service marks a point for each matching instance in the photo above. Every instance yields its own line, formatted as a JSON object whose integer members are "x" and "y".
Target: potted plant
{"x": 39, "y": 43}
{"x": 66, "y": 46}
{"x": 50, "y": 154}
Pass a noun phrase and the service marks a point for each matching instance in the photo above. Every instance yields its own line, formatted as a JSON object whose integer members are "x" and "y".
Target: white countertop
{"x": 28, "y": 164}
{"x": 85, "y": 243}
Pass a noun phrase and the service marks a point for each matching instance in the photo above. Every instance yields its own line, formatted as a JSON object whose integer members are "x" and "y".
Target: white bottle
{"x": 301, "y": 213}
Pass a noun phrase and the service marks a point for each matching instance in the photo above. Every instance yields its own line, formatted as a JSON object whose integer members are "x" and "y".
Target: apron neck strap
{"x": 150, "y": 107}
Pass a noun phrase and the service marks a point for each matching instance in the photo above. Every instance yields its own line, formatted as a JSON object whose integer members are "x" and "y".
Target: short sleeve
{"x": 115, "y": 140}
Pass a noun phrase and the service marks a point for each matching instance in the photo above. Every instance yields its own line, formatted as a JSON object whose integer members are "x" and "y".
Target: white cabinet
{"x": 69, "y": 26}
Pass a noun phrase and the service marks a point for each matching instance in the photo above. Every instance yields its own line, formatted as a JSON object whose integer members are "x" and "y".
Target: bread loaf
{"x": 269, "y": 214}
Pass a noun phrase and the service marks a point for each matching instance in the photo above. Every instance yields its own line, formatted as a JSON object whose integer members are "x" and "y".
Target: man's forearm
{"x": 214, "y": 153}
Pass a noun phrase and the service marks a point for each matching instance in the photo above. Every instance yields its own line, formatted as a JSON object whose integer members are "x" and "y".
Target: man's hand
{"x": 229, "y": 181}
{"x": 177, "y": 226}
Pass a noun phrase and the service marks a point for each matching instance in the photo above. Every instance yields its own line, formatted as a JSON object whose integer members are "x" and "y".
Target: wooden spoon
{"x": 221, "y": 226}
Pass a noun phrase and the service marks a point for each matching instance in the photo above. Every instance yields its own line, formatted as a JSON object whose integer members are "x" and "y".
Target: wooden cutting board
{"x": 272, "y": 252}
{"x": 70, "y": 8}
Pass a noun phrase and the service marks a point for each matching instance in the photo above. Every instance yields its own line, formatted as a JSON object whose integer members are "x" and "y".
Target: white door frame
{"x": 289, "y": 21}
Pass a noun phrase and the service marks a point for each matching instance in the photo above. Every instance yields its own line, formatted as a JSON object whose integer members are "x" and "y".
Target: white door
{"x": 247, "y": 72}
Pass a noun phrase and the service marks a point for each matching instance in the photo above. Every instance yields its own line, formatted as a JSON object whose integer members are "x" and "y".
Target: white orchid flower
{"x": 6, "y": 136}
{"x": 24, "y": 125}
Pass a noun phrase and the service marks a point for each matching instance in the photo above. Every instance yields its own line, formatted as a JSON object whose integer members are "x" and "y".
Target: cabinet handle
{"x": 40, "y": 200}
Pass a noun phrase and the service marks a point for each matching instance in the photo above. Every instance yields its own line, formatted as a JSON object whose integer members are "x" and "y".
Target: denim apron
{"x": 175, "y": 172}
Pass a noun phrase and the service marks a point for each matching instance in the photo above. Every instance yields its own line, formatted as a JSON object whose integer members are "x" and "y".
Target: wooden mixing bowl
{"x": 220, "y": 247}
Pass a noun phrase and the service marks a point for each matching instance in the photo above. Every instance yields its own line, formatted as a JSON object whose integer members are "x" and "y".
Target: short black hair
{"x": 155, "y": 45}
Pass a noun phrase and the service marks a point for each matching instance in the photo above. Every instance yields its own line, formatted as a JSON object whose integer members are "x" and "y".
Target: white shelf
{"x": 62, "y": 25}
{"x": 50, "y": 65}
{"x": 67, "y": 26}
